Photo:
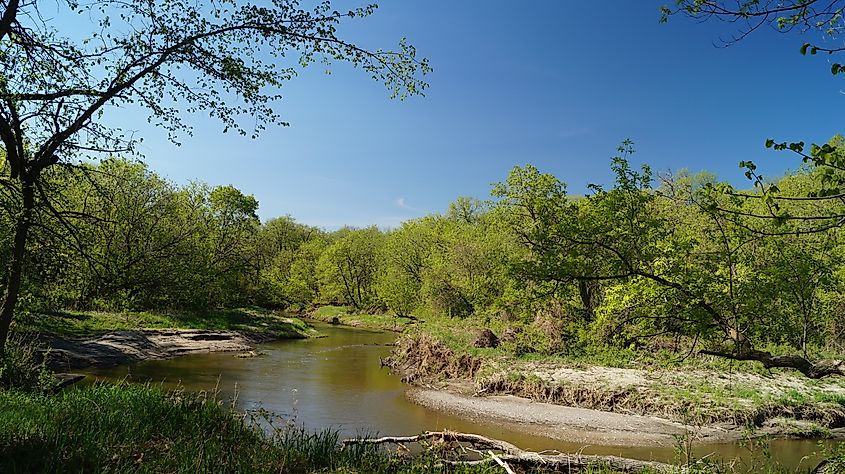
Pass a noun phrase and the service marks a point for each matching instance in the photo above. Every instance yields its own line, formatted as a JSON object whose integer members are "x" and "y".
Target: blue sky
{"x": 558, "y": 84}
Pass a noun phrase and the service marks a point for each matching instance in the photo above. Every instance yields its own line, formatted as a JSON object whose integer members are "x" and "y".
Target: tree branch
{"x": 813, "y": 370}
{"x": 516, "y": 455}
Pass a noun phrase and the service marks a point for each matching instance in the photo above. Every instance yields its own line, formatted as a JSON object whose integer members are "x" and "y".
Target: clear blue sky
{"x": 557, "y": 84}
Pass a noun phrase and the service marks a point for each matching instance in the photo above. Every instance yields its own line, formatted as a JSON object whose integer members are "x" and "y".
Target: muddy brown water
{"x": 336, "y": 382}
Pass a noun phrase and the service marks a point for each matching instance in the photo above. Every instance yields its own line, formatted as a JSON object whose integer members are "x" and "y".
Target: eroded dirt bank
{"x": 128, "y": 346}
{"x": 618, "y": 406}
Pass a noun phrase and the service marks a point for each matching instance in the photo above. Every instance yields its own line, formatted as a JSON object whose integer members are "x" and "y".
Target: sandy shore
{"x": 569, "y": 424}
{"x": 124, "y": 347}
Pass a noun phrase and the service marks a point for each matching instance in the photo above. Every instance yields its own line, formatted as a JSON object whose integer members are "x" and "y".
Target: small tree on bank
{"x": 226, "y": 58}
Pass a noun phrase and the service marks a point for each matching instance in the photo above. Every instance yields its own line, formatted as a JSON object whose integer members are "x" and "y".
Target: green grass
{"x": 93, "y": 323}
{"x": 810, "y": 431}
{"x": 827, "y": 397}
{"x": 109, "y": 428}
{"x": 348, "y": 317}
{"x": 330, "y": 311}
{"x": 696, "y": 390}
{"x": 574, "y": 347}
{"x": 131, "y": 428}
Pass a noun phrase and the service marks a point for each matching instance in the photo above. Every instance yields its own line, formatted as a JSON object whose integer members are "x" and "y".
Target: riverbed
{"x": 337, "y": 382}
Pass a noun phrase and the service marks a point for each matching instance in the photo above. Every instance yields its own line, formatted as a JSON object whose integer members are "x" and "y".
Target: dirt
{"x": 641, "y": 379}
{"x": 681, "y": 394}
{"x": 624, "y": 406}
{"x": 569, "y": 424}
{"x": 124, "y": 347}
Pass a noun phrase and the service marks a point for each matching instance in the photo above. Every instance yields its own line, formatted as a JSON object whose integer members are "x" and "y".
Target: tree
{"x": 349, "y": 266}
{"x": 284, "y": 267}
{"x": 303, "y": 284}
{"x": 466, "y": 270}
{"x": 404, "y": 256}
{"x": 823, "y": 19}
{"x": 580, "y": 241}
{"x": 672, "y": 264}
{"x": 131, "y": 245}
{"x": 820, "y": 23}
{"x": 224, "y": 58}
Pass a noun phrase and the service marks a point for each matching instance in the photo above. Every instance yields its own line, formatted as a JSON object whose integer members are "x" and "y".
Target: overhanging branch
{"x": 813, "y": 370}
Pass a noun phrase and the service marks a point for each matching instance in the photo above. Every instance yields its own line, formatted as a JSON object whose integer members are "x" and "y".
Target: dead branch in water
{"x": 514, "y": 455}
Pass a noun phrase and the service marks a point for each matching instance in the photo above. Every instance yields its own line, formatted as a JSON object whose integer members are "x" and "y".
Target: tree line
{"x": 117, "y": 236}
{"x": 161, "y": 60}
{"x": 733, "y": 272}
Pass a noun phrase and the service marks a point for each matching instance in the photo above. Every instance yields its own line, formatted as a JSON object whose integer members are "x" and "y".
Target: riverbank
{"x": 126, "y": 347}
{"x": 76, "y": 340}
{"x": 132, "y": 428}
{"x": 616, "y": 405}
{"x": 137, "y": 428}
{"x": 564, "y": 423}
{"x": 346, "y": 316}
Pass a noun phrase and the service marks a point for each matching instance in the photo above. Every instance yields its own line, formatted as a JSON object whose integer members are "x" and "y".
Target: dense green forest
{"x": 675, "y": 257}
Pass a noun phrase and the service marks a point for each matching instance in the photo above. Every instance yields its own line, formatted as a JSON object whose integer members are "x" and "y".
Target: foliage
{"x": 287, "y": 256}
{"x": 165, "y": 60}
{"x": 679, "y": 260}
{"x": 404, "y": 256}
{"x": 644, "y": 259}
{"x": 348, "y": 267}
{"x": 23, "y": 368}
{"x": 141, "y": 242}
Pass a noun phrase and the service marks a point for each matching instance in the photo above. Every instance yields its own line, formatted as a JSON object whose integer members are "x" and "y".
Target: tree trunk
{"x": 15, "y": 269}
{"x": 586, "y": 294}
{"x": 814, "y": 370}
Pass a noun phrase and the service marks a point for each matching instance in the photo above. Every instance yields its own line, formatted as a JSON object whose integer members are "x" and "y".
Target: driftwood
{"x": 516, "y": 456}
{"x": 66, "y": 380}
{"x": 813, "y": 370}
{"x": 499, "y": 461}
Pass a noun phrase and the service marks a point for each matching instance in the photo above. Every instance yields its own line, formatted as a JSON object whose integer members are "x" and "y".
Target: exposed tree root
{"x": 516, "y": 456}
{"x": 423, "y": 358}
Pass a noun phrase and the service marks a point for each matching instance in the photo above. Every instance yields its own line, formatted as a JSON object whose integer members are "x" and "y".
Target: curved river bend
{"x": 337, "y": 382}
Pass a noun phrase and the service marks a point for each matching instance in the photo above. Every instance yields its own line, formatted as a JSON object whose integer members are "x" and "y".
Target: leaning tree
{"x": 65, "y": 63}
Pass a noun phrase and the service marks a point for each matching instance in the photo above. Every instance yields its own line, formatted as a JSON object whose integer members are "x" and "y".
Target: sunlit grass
{"x": 132, "y": 428}
{"x": 349, "y": 317}
{"x": 92, "y": 323}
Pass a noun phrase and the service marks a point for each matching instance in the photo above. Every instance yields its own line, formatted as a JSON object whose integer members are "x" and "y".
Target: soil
{"x": 618, "y": 406}
{"x": 569, "y": 424}
{"x": 125, "y": 347}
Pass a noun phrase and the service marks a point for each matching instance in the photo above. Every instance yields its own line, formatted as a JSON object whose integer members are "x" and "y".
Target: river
{"x": 337, "y": 382}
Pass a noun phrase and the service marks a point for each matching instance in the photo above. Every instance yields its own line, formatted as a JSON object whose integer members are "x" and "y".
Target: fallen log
{"x": 514, "y": 455}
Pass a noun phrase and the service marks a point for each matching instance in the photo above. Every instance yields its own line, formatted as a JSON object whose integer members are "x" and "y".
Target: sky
{"x": 557, "y": 84}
